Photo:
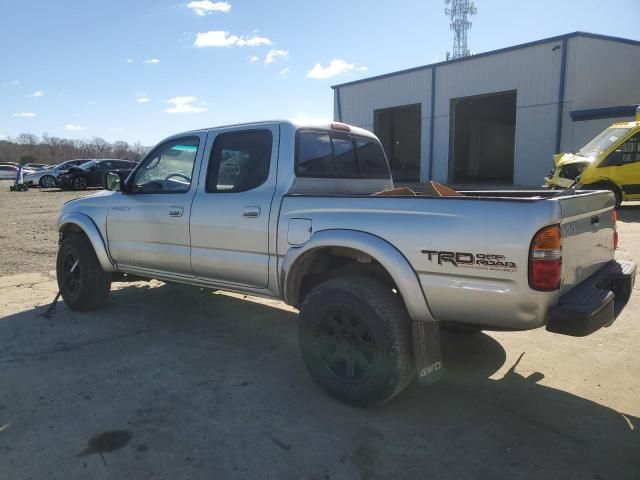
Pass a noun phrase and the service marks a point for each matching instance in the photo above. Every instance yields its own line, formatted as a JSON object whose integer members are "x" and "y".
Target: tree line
{"x": 29, "y": 148}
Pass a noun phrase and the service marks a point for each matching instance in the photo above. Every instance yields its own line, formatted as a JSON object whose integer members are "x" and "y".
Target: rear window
{"x": 333, "y": 155}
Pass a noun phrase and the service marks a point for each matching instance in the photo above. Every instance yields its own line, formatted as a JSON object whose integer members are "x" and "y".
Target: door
{"x": 627, "y": 172}
{"x": 148, "y": 228}
{"x": 230, "y": 217}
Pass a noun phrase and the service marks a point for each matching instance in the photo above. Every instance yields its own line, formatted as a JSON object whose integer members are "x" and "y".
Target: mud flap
{"x": 427, "y": 351}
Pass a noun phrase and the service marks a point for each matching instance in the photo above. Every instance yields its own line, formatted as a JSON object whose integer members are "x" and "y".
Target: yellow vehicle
{"x": 611, "y": 161}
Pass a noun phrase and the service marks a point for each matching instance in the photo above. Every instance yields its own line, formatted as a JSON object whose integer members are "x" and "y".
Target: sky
{"x": 141, "y": 70}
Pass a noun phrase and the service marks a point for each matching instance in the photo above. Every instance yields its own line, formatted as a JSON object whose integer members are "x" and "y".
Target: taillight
{"x": 615, "y": 230}
{"x": 545, "y": 259}
{"x": 340, "y": 126}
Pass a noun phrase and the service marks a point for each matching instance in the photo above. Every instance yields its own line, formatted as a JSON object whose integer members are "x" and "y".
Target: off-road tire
{"x": 49, "y": 183}
{"x": 389, "y": 331}
{"x": 88, "y": 287}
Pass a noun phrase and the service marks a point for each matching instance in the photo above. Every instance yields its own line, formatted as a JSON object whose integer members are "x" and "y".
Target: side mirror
{"x": 115, "y": 181}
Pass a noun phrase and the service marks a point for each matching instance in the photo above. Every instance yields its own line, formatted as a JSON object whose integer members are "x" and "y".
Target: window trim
{"x": 212, "y": 162}
{"x": 341, "y": 135}
{"x": 132, "y": 176}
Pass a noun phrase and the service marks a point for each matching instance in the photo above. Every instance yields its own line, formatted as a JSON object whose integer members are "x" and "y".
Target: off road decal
{"x": 477, "y": 261}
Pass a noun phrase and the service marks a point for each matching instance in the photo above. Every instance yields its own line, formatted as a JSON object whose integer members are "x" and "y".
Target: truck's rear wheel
{"x": 87, "y": 286}
{"x": 355, "y": 338}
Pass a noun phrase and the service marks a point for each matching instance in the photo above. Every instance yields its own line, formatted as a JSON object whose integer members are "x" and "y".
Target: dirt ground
{"x": 28, "y": 236}
{"x": 173, "y": 382}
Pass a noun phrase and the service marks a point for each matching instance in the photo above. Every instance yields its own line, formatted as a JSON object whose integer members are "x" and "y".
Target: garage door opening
{"x": 482, "y": 142}
{"x": 399, "y": 129}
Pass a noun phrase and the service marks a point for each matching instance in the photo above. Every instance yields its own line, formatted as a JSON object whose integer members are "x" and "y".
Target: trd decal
{"x": 479, "y": 261}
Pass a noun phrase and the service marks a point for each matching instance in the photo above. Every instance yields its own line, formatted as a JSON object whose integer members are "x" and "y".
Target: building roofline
{"x": 494, "y": 52}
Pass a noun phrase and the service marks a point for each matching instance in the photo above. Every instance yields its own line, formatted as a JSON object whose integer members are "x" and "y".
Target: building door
{"x": 399, "y": 129}
{"x": 482, "y": 138}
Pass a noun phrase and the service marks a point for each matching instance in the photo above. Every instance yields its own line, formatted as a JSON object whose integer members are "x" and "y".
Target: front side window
{"x": 168, "y": 169}
{"x": 631, "y": 150}
{"x": 337, "y": 155}
{"x": 239, "y": 161}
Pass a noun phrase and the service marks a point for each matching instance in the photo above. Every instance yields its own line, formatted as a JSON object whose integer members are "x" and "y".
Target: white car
{"x": 47, "y": 178}
{"x": 7, "y": 172}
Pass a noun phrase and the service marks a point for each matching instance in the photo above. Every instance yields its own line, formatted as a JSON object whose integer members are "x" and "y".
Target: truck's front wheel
{"x": 355, "y": 337}
{"x": 83, "y": 283}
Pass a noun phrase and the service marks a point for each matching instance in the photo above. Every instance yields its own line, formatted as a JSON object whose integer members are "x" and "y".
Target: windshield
{"x": 602, "y": 142}
{"x": 88, "y": 164}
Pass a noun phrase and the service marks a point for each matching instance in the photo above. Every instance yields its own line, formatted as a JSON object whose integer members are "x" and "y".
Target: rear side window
{"x": 324, "y": 155}
{"x": 239, "y": 161}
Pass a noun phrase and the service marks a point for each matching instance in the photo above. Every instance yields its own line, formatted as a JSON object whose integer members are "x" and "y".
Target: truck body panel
{"x": 455, "y": 259}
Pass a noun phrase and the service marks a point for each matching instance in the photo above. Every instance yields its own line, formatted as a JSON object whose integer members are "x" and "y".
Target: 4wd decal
{"x": 478, "y": 261}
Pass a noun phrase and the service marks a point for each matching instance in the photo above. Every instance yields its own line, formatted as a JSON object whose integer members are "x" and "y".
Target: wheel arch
{"x": 381, "y": 257}
{"x": 78, "y": 222}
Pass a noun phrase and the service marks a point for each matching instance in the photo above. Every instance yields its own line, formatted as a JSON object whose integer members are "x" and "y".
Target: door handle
{"x": 176, "y": 211}
{"x": 251, "y": 212}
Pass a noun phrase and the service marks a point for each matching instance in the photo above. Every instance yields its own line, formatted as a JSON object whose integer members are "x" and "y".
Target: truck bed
{"x": 496, "y": 224}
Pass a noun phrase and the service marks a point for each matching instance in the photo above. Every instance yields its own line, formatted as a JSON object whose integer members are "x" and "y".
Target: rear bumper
{"x": 595, "y": 303}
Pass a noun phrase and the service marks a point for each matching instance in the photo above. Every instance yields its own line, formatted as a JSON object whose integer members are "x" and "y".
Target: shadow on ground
{"x": 200, "y": 385}
{"x": 629, "y": 213}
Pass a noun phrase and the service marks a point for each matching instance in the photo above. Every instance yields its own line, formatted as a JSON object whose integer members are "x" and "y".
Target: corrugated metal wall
{"x": 534, "y": 74}
{"x": 599, "y": 73}
{"x": 358, "y": 102}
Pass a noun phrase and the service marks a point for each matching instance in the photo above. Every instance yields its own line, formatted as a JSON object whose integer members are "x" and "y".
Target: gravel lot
{"x": 28, "y": 236}
{"x": 173, "y": 382}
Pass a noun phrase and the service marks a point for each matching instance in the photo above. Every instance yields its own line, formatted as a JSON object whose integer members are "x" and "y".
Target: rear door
{"x": 230, "y": 216}
{"x": 148, "y": 229}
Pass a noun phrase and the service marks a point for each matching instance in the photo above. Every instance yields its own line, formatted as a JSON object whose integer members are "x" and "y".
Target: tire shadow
{"x": 211, "y": 383}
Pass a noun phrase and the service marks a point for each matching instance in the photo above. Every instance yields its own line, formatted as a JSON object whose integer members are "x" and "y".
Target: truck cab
{"x": 611, "y": 161}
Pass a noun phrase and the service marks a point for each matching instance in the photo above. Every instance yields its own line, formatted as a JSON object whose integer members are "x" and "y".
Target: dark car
{"x": 90, "y": 174}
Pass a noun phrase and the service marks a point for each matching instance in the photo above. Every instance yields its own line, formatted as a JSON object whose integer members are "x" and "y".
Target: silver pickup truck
{"x": 290, "y": 211}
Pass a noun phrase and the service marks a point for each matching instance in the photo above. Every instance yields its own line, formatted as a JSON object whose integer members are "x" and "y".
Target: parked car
{"x": 611, "y": 161}
{"x": 36, "y": 166}
{"x": 8, "y": 172}
{"x": 90, "y": 174}
{"x": 290, "y": 211}
{"x": 47, "y": 178}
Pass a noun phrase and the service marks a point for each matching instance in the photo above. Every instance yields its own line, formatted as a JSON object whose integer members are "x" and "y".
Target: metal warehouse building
{"x": 499, "y": 116}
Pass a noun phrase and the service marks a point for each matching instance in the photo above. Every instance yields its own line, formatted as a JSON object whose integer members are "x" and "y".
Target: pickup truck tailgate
{"x": 588, "y": 227}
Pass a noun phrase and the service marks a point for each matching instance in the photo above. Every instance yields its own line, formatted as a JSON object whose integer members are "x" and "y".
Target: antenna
{"x": 458, "y": 11}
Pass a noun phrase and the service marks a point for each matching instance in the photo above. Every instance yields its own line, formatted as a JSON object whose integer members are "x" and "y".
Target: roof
{"x": 494, "y": 52}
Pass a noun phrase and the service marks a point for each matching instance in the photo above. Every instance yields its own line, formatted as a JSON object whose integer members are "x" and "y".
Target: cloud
{"x": 71, "y": 126}
{"x": 274, "y": 54}
{"x": 284, "y": 71}
{"x": 183, "y": 105}
{"x": 335, "y": 67}
{"x": 253, "y": 59}
{"x": 219, "y": 38}
{"x": 129, "y": 60}
{"x": 206, "y": 7}
{"x": 142, "y": 98}
{"x": 24, "y": 114}
{"x": 39, "y": 93}
{"x": 152, "y": 61}
{"x": 3, "y": 137}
